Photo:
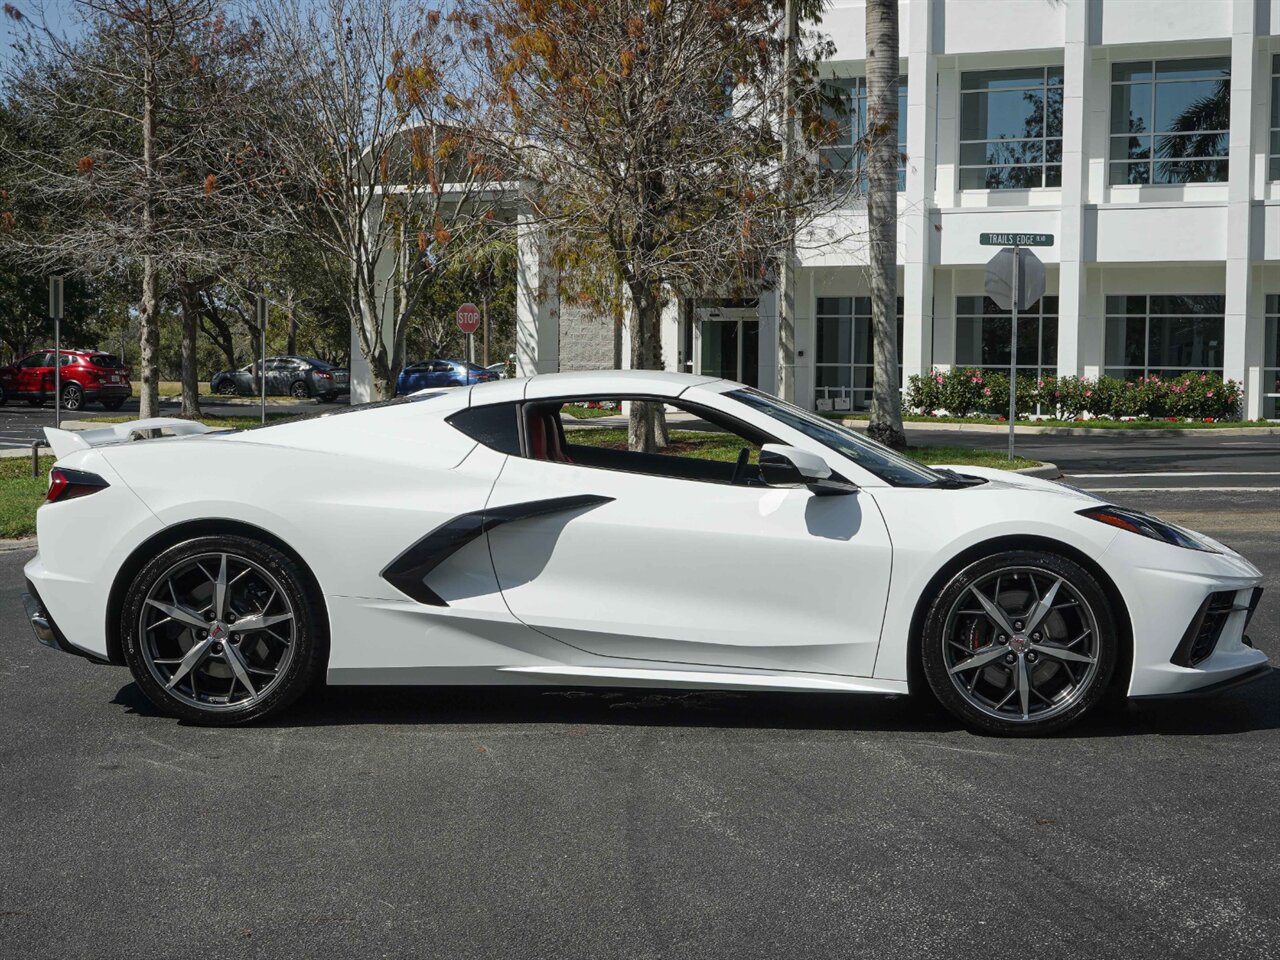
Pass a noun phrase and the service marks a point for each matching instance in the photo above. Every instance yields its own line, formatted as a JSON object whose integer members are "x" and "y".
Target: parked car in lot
{"x": 88, "y": 376}
{"x": 428, "y": 374}
{"x": 474, "y": 536}
{"x": 290, "y": 376}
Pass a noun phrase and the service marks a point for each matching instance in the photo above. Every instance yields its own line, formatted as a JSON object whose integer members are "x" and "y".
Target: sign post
{"x": 260, "y": 311}
{"x": 468, "y": 323}
{"x": 1015, "y": 281}
{"x": 55, "y": 314}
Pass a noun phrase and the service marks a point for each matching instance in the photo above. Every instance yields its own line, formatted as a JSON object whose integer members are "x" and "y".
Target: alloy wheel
{"x": 217, "y": 631}
{"x": 1021, "y": 644}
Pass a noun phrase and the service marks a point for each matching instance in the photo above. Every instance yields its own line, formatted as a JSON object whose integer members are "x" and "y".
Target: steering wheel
{"x": 740, "y": 469}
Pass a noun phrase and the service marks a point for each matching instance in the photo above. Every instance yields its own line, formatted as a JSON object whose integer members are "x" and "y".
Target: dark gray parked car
{"x": 299, "y": 377}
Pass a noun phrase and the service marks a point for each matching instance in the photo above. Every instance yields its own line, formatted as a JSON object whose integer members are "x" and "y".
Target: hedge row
{"x": 971, "y": 392}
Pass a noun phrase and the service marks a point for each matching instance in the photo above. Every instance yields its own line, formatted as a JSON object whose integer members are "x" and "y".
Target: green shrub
{"x": 972, "y": 392}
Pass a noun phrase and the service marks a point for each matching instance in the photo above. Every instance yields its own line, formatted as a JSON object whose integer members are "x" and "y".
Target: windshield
{"x": 873, "y": 457}
{"x": 318, "y": 364}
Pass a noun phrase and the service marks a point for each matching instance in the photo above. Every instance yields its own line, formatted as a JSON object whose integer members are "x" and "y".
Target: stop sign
{"x": 468, "y": 318}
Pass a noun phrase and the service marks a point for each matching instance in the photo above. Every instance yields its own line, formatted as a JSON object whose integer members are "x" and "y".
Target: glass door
{"x": 731, "y": 349}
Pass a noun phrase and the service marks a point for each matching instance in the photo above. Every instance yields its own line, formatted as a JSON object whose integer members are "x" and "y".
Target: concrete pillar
{"x": 917, "y": 221}
{"x": 1243, "y": 311}
{"x": 1073, "y": 267}
{"x": 537, "y": 303}
{"x": 948, "y": 136}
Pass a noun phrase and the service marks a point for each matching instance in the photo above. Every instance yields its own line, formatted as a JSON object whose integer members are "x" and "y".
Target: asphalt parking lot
{"x": 556, "y": 823}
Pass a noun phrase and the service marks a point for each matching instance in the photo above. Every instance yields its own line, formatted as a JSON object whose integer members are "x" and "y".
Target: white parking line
{"x": 1180, "y": 473}
{"x": 1182, "y": 489}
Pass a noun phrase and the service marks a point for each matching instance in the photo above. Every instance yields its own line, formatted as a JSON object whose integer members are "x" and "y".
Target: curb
{"x": 1141, "y": 432}
{"x": 1046, "y": 471}
{"x": 14, "y": 546}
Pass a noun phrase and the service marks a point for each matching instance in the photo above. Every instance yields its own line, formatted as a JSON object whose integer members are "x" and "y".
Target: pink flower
{"x": 1203, "y": 378}
{"x": 1209, "y": 394}
{"x": 986, "y": 391}
{"x": 1088, "y": 393}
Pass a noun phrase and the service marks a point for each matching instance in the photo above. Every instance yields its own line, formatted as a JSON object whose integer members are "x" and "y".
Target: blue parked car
{"x": 426, "y": 374}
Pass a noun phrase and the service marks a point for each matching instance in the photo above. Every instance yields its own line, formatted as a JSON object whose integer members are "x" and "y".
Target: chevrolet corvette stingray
{"x": 486, "y": 535}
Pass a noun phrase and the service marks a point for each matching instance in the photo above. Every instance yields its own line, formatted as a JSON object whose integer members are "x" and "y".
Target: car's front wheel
{"x": 226, "y": 388}
{"x": 1020, "y": 643}
{"x": 222, "y": 630}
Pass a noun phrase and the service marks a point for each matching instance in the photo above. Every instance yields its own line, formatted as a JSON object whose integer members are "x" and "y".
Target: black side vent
{"x": 1205, "y": 630}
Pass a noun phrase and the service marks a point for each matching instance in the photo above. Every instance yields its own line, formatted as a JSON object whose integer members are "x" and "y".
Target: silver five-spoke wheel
{"x": 217, "y": 631}
{"x": 1021, "y": 644}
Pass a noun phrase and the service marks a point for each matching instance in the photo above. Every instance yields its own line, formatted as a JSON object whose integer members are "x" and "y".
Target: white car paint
{"x": 667, "y": 583}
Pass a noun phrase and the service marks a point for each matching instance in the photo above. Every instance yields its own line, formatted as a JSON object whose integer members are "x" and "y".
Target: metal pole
{"x": 57, "y": 372}
{"x": 1013, "y": 355}
{"x": 262, "y": 369}
{"x": 484, "y": 344}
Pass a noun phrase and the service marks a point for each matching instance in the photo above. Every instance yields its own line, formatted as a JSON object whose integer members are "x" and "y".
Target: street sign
{"x": 55, "y": 298}
{"x": 260, "y": 312}
{"x": 468, "y": 318}
{"x": 1000, "y": 273}
{"x": 1015, "y": 239}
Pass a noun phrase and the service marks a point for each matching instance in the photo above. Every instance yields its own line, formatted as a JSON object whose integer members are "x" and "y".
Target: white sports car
{"x": 485, "y": 535}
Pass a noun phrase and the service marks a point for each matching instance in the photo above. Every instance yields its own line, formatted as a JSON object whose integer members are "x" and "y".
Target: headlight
{"x": 1135, "y": 521}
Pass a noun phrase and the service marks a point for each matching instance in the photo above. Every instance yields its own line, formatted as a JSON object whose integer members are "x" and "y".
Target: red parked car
{"x": 87, "y": 376}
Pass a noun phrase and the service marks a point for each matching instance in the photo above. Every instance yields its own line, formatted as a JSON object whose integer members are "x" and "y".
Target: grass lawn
{"x": 20, "y": 495}
{"x": 232, "y": 423}
{"x": 579, "y": 412}
{"x": 1090, "y": 424}
{"x": 724, "y": 446}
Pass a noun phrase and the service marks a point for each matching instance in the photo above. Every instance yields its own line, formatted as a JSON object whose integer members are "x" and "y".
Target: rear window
{"x": 106, "y": 360}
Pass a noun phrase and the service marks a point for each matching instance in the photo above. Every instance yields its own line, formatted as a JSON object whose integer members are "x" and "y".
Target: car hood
{"x": 1012, "y": 480}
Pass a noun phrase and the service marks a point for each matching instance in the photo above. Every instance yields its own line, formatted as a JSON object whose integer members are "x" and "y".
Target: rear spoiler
{"x": 64, "y": 442}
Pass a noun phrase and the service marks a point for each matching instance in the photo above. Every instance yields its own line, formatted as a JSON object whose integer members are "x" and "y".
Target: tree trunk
{"x": 218, "y": 330}
{"x": 149, "y": 333}
{"x": 291, "y": 342}
{"x": 189, "y": 298}
{"x": 786, "y": 366}
{"x": 882, "y": 218}
{"x": 149, "y": 339}
{"x": 646, "y": 429}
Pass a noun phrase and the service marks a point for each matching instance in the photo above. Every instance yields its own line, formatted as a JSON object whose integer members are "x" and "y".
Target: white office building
{"x": 1144, "y": 135}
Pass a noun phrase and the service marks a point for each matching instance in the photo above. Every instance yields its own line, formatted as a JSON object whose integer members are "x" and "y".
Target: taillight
{"x": 65, "y": 484}
{"x": 324, "y": 375}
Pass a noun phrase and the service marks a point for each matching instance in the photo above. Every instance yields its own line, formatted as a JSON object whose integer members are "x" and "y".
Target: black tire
{"x": 323, "y": 398}
{"x": 307, "y": 646}
{"x": 226, "y": 388}
{"x": 299, "y": 390}
{"x": 4, "y": 397}
{"x": 949, "y": 640}
{"x": 72, "y": 396}
{"x": 113, "y": 403}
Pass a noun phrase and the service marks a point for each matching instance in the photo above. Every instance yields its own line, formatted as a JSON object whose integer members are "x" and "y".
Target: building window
{"x": 1011, "y": 129}
{"x": 1163, "y": 335}
{"x": 1170, "y": 121}
{"x": 844, "y": 358}
{"x": 983, "y": 340}
{"x": 1271, "y": 361}
{"x": 1275, "y": 117}
{"x": 847, "y": 109}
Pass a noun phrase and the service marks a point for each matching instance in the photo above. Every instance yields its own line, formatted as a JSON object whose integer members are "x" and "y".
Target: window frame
{"x": 1044, "y": 165}
{"x": 855, "y": 121}
{"x": 716, "y": 417}
{"x": 1270, "y": 374}
{"x": 853, "y": 365}
{"x": 1041, "y": 367}
{"x": 1109, "y": 369}
{"x": 1154, "y": 135}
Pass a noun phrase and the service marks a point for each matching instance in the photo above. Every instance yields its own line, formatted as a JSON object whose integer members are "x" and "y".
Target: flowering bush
{"x": 970, "y": 392}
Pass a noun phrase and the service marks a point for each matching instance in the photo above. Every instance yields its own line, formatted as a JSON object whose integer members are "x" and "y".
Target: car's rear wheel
{"x": 298, "y": 390}
{"x": 1020, "y": 643}
{"x": 35, "y": 401}
{"x": 113, "y": 403}
{"x": 4, "y": 397}
{"x": 72, "y": 396}
{"x": 222, "y": 630}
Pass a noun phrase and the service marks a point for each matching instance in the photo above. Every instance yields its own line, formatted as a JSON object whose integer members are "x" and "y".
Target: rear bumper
{"x": 44, "y": 628}
{"x": 108, "y": 391}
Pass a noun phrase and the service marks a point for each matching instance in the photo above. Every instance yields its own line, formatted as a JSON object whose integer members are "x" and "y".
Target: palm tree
{"x": 882, "y": 218}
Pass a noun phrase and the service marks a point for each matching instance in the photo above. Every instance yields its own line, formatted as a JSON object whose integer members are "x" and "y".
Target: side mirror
{"x": 783, "y": 466}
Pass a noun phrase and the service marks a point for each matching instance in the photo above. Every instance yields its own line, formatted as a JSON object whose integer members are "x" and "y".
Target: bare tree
{"x": 650, "y": 132}
{"x": 387, "y": 173}
{"x": 882, "y": 218}
{"x": 131, "y": 149}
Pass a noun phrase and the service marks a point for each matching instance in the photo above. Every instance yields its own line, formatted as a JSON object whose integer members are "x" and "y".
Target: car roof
{"x": 653, "y": 382}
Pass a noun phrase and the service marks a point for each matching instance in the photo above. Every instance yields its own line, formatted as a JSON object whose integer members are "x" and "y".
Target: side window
{"x": 496, "y": 425}
{"x": 67, "y": 359}
{"x": 34, "y": 361}
{"x": 701, "y": 444}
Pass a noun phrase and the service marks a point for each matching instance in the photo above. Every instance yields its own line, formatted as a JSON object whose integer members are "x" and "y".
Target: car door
{"x": 32, "y": 372}
{"x": 663, "y": 568}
